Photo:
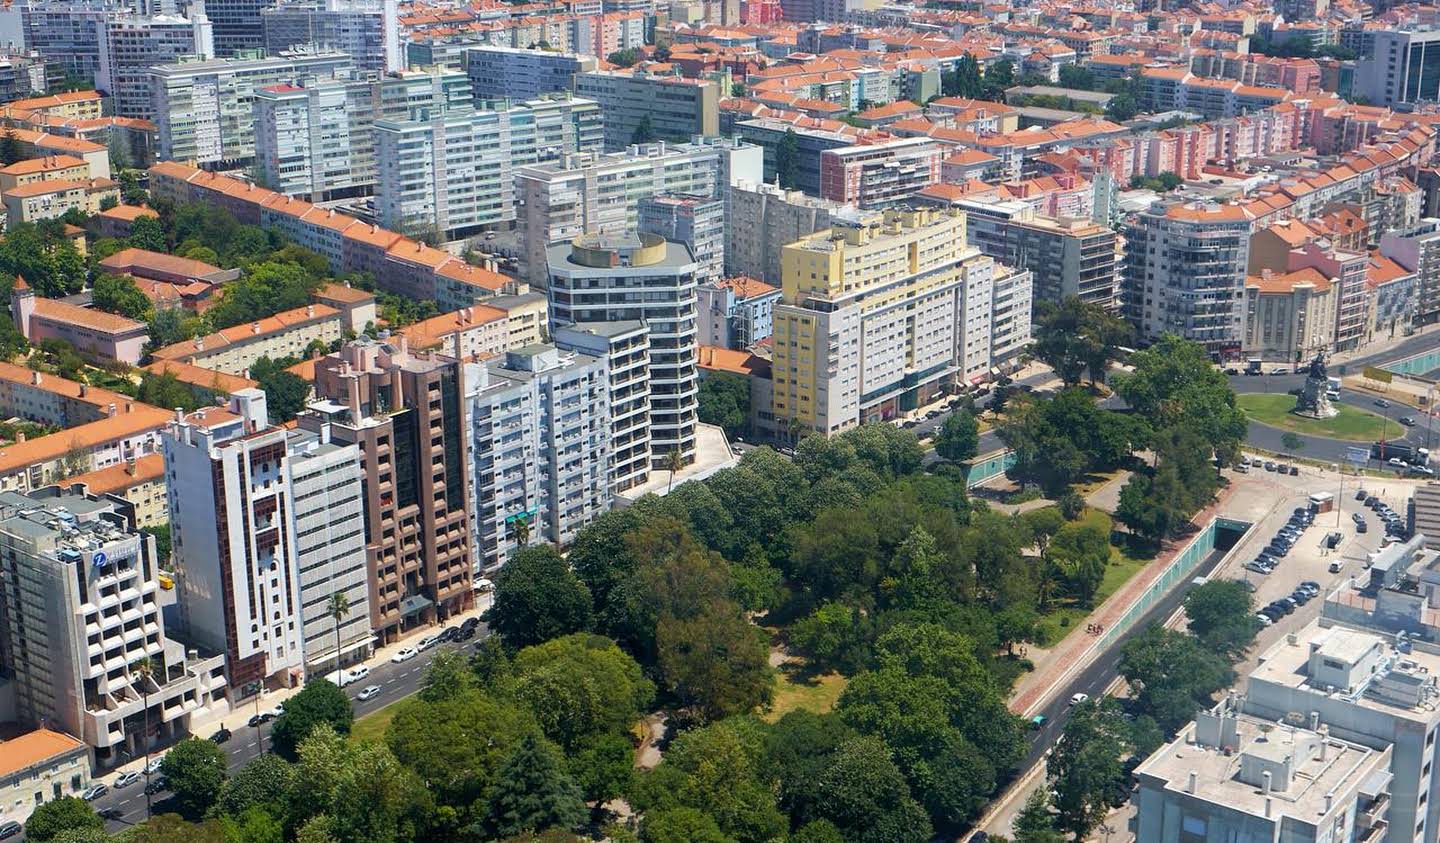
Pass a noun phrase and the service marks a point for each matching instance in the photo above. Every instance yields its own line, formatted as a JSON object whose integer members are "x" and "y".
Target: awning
{"x": 414, "y": 605}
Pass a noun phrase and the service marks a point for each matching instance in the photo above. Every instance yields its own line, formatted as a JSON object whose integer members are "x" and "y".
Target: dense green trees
{"x": 1078, "y": 339}
{"x": 119, "y": 294}
{"x": 1220, "y": 614}
{"x": 195, "y": 769}
{"x": 537, "y": 598}
{"x": 958, "y": 438}
{"x": 59, "y": 816}
{"x": 1058, "y": 440}
{"x": 725, "y": 401}
{"x": 318, "y": 702}
{"x": 1085, "y": 769}
{"x": 1172, "y": 674}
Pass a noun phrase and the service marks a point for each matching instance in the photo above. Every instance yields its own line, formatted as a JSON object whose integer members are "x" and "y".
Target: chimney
{"x": 110, "y": 410}
{"x": 1265, "y": 787}
{"x": 130, "y": 468}
{"x": 1190, "y": 782}
{"x": 129, "y": 406}
{"x": 84, "y": 389}
{"x": 255, "y": 328}
{"x": 19, "y": 436}
{"x": 35, "y": 378}
{"x": 309, "y": 310}
{"x": 1324, "y": 742}
{"x": 1268, "y": 800}
{"x": 1314, "y": 721}
{"x": 1329, "y": 801}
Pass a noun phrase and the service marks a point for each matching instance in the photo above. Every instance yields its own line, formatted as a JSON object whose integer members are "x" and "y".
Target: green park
{"x": 1352, "y": 423}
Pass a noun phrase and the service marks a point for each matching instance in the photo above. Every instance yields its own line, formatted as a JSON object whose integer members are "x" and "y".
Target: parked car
{"x": 154, "y": 765}
{"x": 369, "y": 692}
{"x": 1362, "y": 527}
{"x": 404, "y": 654}
{"x": 114, "y": 812}
{"x": 1332, "y": 540}
{"x": 1264, "y": 619}
{"x": 358, "y": 672}
{"x": 1396, "y": 462}
{"x": 9, "y": 829}
{"x": 221, "y": 736}
{"x": 1361, "y": 494}
{"x": 1294, "y": 471}
{"x": 1310, "y": 587}
{"x": 1269, "y": 465}
{"x": 93, "y": 792}
{"x": 260, "y": 719}
{"x": 428, "y": 641}
{"x": 1357, "y": 517}
{"x": 127, "y": 778}
{"x": 160, "y": 784}
{"x": 1371, "y": 501}
{"x": 1076, "y": 699}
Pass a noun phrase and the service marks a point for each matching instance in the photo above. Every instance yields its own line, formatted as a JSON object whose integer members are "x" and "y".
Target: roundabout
{"x": 1350, "y": 424}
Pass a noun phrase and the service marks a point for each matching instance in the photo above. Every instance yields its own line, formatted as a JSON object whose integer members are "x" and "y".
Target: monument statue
{"x": 1314, "y": 400}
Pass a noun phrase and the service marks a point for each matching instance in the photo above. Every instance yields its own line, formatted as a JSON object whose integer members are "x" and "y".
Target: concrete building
{"x": 1229, "y": 776}
{"x": 1399, "y": 66}
{"x": 41, "y": 766}
{"x": 736, "y": 312}
{"x": 1184, "y": 273}
{"x": 761, "y": 219}
{"x": 1418, "y": 250}
{"x": 591, "y": 193}
{"x": 453, "y": 171}
{"x": 236, "y": 573}
{"x": 204, "y": 110}
{"x": 674, "y": 108}
{"x": 104, "y": 335}
{"x": 877, "y": 175}
{"x": 234, "y": 350}
{"x": 367, "y": 30}
{"x": 327, "y": 518}
{"x": 1068, "y": 256}
{"x": 625, "y": 348}
{"x": 500, "y": 72}
{"x": 872, "y": 322}
{"x": 696, "y": 221}
{"x": 1425, "y": 514}
{"x": 139, "y": 482}
{"x": 539, "y": 426}
{"x": 81, "y": 607}
{"x": 407, "y": 415}
{"x": 236, "y": 24}
{"x": 810, "y": 145}
{"x": 1289, "y": 317}
{"x": 625, "y": 278}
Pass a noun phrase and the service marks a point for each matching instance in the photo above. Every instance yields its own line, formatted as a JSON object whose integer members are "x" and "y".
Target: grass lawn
{"x": 1062, "y": 619}
{"x": 1353, "y": 424}
{"x": 371, "y": 727}
{"x": 796, "y": 689}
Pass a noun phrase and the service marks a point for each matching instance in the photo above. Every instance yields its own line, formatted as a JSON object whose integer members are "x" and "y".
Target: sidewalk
{"x": 1078, "y": 649}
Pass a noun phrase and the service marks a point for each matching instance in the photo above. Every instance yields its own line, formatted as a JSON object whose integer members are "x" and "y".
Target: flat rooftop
{"x": 1222, "y": 774}
{"x": 1398, "y": 677}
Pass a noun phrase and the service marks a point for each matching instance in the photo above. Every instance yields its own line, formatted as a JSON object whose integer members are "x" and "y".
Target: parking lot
{"x": 1273, "y": 497}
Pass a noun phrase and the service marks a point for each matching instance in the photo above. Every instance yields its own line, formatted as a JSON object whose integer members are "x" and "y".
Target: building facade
{"x": 509, "y": 72}
{"x": 761, "y": 219}
{"x": 366, "y": 30}
{"x": 696, "y": 221}
{"x": 736, "y": 312}
{"x": 640, "y": 108}
{"x": 625, "y": 347}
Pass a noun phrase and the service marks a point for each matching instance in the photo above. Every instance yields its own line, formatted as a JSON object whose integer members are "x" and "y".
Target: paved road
{"x": 396, "y": 682}
{"x": 1318, "y": 447}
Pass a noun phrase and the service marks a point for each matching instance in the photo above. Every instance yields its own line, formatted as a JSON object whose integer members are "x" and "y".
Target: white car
{"x": 127, "y": 778}
{"x": 369, "y": 692}
{"x": 278, "y": 710}
{"x": 428, "y": 642}
{"x": 404, "y": 655}
{"x": 1079, "y": 698}
{"x": 1397, "y": 462}
{"x": 154, "y": 765}
{"x": 358, "y": 672}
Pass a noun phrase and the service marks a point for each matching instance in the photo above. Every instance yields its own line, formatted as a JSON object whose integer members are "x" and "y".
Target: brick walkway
{"x": 1078, "y": 648}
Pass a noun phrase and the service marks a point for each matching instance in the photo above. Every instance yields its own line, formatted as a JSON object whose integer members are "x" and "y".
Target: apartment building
{"x": 736, "y": 312}
{"x": 1232, "y": 776}
{"x": 639, "y": 277}
{"x": 1184, "y": 273}
{"x": 236, "y": 24}
{"x": 42, "y": 765}
{"x": 625, "y": 348}
{"x": 1068, "y": 256}
{"x": 1289, "y": 316}
{"x": 139, "y": 482}
{"x": 696, "y": 221}
{"x": 327, "y": 520}
{"x": 48, "y": 200}
{"x": 235, "y": 349}
{"x": 594, "y": 193}
{"x": 1417, "y": 249}
{"x": 761, "y": 219}
{"x": 877, "y": 175}
{"x": 499, "y": 72}
{"x": 539, "y": 428}
{"x": 869, "y": 325}
{"x": 810, "y": 143}
{"x": 49, "y": 168}
{"x": 453, "y": 171}
{"x": 204, "y": 110}
{"x": 640, "y": 108}
{"x": 367, "y": 30}
{"x": 233, "y": 542}
{"x": 107, "y": 336}
{"x": 81, "y": 609}
{"x": 407, "y": 415}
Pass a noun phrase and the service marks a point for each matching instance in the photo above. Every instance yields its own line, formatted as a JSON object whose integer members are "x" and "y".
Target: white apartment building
{"x": 203, "y": 110}
{"x": 675, "y": 108}
{"x": 236, "y": 577}
{"x": 368, "y": 30}
{"x": 696, "y": 221}
{"x": 1068, "y": 256}
{"x": 1399, "y": 66}
{"x": 594, "y": 193}
{"x": 454, "y": 170}
{"x": 1185, "y": 268}
{"x": 1418, "y": 249}
{"x": 82, "y": 609}
{"x": 625, "y": 347}
{"x": 500, "y": 72}
{"x": 761, "y": 220}
{"x": 539, "y": 445}
{"x": 639, "y": 277}
{"x": 327, "y": 519}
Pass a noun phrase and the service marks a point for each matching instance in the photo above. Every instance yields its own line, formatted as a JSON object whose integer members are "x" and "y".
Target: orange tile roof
{"x": 41, "y": 188}
{"x": 117, "y": 478}
{"x": 1207, "y": 213}
{"x": 746, "y": 287}
{"x": 241, "y": 334}
{"x": 335, "y": 291}
{"x": 717, "y": 359}
{"x": 129, "y": 259}
{"x": 1383, "y": 270}
{"x": 60, "y": 386}
{"x": 42, "y": 165}
{"x": 34, "y": 747}
{"x": 200, "y": 376}
{"x": 129, "y": 213}
{"x": 432, "y": 332}
{"x": 98, "y": 320}
{"x": 1286, "y": 282}
{"x": 138, "y": 419}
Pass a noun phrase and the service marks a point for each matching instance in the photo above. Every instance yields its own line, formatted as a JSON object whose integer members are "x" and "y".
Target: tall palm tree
{"x": 674, "y": 461}
{"x": 522, "y": 531}
{"x": 338, "y": 608}
{"x": 144, "y": 668}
